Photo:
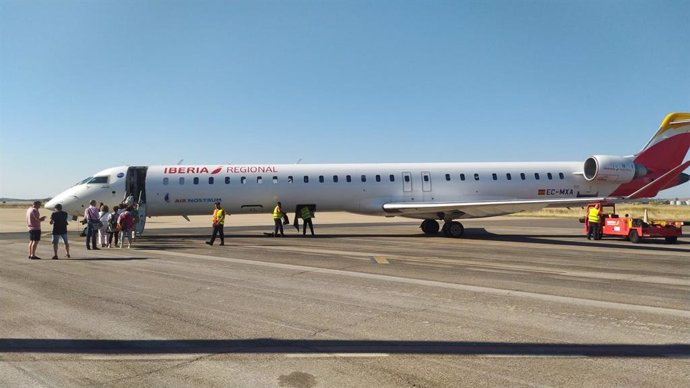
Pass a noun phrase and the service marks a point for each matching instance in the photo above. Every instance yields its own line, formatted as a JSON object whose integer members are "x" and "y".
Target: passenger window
{"x": 508, "y": 176}
{"x": 348, "y": 178}
{"x": 378, "y": 178}
{"x": 364, "y": 178}
{"x": 243, "y": 180}
{"x": 391, "y": 177}
{"x": 227, "y": 180}
{"x": 321, "y": 180}
{"x": 426, "y": 178}
{"x": 182, "y": 180}
{"x": 196, "y": 180}
{"x": 448, "y": 177}
{"x": 407, "y": 178}
{"x": 290, "y": 179}
{"x": 462, "y": 177}
{"x": 536, "y": 175}
{"x": 165, "y": 181}
{"x": 476, "y": 177}
{"x": 548, "y": 175}
{"x": 335, "y": 179}
{"x": 306, "y": 179}
{"x": 522, "y": 176}
{"x": 275, "y": 180}
{"x": 259, "y": 180}
{"x": 494, "y": 176}
{"x": 210, "y": 180}
{"x": 560, "y": 175}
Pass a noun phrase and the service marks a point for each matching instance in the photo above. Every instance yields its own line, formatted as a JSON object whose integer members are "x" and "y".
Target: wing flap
{"x": 484, "y": 208}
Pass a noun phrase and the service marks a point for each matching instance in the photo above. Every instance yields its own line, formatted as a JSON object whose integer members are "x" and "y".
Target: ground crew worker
{"x": 218, "y": 222}
{"x": 278, "y": 216}
{"x": 306, "y": 216}
{"x": 593, "y": 219}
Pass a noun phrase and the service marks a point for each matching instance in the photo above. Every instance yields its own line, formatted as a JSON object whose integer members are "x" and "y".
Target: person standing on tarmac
{"x": 218, "y": 222}
{"x": 278, "y": 216}
{"x": 593, "y": 220}
{"x": 92, "y": 221}
{"x": 59, "y": 221}
{"x": 307, "y": 216}
{"x": 33, "y": 222}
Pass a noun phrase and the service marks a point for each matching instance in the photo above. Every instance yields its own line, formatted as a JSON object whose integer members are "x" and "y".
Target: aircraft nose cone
{"x": 50, "y": 205}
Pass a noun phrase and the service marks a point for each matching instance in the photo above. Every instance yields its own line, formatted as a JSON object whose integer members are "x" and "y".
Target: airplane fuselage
{"x": 356, "y": 188}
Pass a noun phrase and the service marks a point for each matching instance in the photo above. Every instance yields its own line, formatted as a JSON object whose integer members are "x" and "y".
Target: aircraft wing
{"x": 476, "y": 209}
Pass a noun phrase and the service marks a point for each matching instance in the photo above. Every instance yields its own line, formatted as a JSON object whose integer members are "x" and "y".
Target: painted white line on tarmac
{"x": 336, "y": 355}
{"x": 446, "y": 285}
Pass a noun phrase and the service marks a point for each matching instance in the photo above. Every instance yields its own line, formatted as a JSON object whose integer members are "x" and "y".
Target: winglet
{"x": 653, "y": 188}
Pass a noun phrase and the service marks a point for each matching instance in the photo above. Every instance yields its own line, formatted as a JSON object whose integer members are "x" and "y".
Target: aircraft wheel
{"x": 429, "y": 226}
{"x": 453, "y": 229}
{"x": 634, "y": 237}
{"x": 444, "y": 228}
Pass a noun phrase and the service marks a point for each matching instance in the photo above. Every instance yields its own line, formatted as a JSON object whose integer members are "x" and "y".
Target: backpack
{"x": 112, "y": 222}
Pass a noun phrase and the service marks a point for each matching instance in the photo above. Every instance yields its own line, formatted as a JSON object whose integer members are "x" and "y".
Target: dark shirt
{"x": 59, "y": 219}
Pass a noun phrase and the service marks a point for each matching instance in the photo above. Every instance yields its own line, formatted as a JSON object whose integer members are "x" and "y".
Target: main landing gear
{"x": 450, "y": 228}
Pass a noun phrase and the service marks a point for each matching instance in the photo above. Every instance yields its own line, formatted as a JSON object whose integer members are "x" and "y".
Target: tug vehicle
{"x": 633, "y": 229}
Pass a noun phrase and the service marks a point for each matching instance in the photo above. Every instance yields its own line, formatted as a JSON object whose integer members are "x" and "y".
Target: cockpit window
{"x": 81, "y": 182}
{"x": 98, "y": 180}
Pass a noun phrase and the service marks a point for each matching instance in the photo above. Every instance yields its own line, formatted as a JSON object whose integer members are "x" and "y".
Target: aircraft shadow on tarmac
{"x": 284, "y": 346}
{"x": 175, "y": 241}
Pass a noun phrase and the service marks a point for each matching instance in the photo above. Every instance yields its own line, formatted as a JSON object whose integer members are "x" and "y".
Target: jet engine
{"x": 616, "y": 169}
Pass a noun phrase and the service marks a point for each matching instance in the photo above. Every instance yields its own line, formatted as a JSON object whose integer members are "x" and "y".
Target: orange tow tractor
{"x": 633, "y": 229}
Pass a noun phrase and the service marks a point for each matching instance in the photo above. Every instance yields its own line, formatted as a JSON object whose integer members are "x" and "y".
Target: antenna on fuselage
{"x": 299, "y": 161}
{"x": 180, "y": 162}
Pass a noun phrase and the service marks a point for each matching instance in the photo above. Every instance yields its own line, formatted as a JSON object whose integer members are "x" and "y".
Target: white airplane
{"x": 427, "y": 191}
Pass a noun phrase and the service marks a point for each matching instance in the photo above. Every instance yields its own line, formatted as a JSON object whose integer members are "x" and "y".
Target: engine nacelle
{"x": 617, "y": 169}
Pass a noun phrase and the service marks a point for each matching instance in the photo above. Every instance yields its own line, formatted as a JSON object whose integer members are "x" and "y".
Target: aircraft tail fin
{"x": 668, "y": 146}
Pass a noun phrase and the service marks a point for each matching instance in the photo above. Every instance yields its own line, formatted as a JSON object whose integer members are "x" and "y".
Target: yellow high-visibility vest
{"x": 219, "y": 216}
{"x": 306, "y": 214}
{"x": 277, "y": 214}
{"x": 593, "y": 215}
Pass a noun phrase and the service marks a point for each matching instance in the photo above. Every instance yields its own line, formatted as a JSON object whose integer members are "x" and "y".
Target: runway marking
{"x": 316, "y": 251}
{"x": 433, "y": 283}
{"x": 336, "y": 355}
{"x": 379, "y": 260}
{"x": 143, "y": 357}
{"x": 483, "y": 265}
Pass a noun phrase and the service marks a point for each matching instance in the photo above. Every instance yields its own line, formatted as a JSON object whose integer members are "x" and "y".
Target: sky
{"x": 86, "y": 85}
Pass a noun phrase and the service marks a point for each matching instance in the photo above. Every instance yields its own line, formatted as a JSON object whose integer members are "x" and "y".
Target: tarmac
{"x": 366, "y": 302}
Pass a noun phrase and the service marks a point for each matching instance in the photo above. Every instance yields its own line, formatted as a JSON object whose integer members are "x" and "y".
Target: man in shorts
{"x": 33, "y": 222}
{"x": 59, "y": 221}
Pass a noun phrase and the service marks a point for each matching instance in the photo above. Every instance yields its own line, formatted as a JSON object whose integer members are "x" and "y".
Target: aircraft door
{"x": 135, "y": 184}
{"x": 407, "y": 182}
{"x": 135, "y": 194}
{"x": 426, "y": 181}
